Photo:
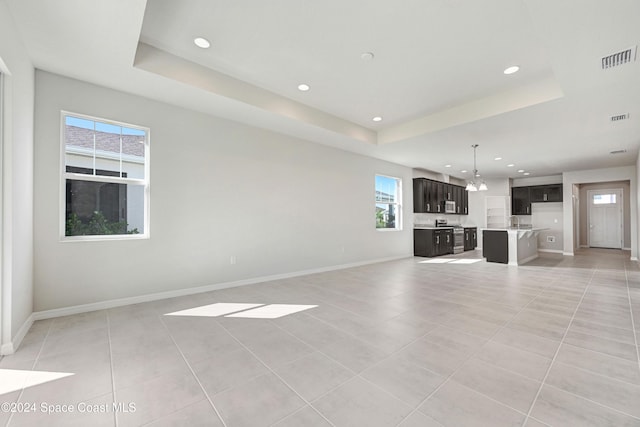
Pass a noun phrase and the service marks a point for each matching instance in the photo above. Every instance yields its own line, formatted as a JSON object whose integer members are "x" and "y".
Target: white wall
{"x": 16, "y": 286}
{"x": 218, "y": 189}
{"x": 548, "y": 215}
{"x": 570, "y": 179}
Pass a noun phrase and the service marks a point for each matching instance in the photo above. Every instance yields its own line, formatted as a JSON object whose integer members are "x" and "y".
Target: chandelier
{"x": 475, "y": 184}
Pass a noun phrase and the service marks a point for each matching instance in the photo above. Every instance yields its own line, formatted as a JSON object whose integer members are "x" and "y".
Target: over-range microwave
{"x": 449, "y": 206}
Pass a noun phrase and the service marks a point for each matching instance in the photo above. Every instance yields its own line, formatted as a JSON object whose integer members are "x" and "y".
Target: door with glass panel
{"x": 605, "y": 218}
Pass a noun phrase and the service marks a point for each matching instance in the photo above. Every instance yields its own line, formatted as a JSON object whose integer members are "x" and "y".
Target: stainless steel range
{"x": 458, "y": 235}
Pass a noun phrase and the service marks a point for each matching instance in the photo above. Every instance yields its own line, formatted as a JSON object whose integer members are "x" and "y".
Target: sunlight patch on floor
{"x": 214, "y": 310}
{"x": 466, "y": 261}
{"x": 272, "y": 311}
{"x": 15, "y": 379}
{"x": 451, "y": 261}
{"x": 250, "y": 311}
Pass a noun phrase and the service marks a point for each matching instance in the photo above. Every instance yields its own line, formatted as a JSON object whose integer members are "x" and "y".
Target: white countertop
{"x": 513, "y": 230}
{"x": 446, "y": 227}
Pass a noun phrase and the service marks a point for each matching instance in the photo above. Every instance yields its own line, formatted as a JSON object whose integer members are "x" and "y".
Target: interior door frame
{"x": 620, "y": 212}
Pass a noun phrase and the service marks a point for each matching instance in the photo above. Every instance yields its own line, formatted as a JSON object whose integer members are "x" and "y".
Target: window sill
{"x": 106, "y": 238}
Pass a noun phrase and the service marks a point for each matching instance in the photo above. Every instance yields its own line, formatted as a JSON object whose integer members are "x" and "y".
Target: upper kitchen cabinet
{"x": 429, "y": 196}
{"x": 459, "y": 194}
{"x": 433, "y": 194}
{"x": 546, "y": 193}
{"x": 465, "y": 202}
{"x": 520, "y": 201}
{"x": 419, "y": 195}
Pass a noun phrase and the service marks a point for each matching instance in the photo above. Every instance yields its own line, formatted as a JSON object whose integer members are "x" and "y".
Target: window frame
{"x": 64, "y": 176}
{"x": 397, "y": 203}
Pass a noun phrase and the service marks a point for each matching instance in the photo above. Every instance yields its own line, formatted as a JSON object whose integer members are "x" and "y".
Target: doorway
{"x": 604, "y": 218}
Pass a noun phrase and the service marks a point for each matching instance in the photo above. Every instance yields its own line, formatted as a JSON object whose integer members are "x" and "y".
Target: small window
{"x": 388, "y": 203}
{"x": 105, "y": 179}
{"x": 604, "y": 199}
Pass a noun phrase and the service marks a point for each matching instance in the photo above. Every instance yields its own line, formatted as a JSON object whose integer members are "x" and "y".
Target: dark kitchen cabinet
{"x": 432, "y": 242}
{"x": 438, "y": 204}
{"x": 495, "y": 246}
{"x": 546, "y": 193}
{"x": 448, "y": 192}
{"x": 470, "y": 238}
{"x": 419, "y": 195}
{"x": 429, "y": 196}
{"x": 445, "y": 241}
{"x": 520, "y": 201}
{"x": 465, "y": 202}
{"x": 458, "y": 197}
{"x": 432, "y": 196}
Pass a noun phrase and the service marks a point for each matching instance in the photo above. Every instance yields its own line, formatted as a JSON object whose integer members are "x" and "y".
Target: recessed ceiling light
{"x": 366, "y": 56}
{"x": 303, "y": 87}
{"x": 464, "y": 171}
{"x": 377, "y": 119}
{"x": 510, "y": 165}
{"x": 526, "y": 173}
{"x": 498, "y": 158}
{"x": 202, "y": 42}
{"x": 521, "y": 170}
{"x": 447, "y": 166}
{"x": 511, "y": 70}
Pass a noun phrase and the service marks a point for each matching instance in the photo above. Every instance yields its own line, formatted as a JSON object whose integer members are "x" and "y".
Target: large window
{"x": 388, "y": 208}
{"x": 105, "y": 179}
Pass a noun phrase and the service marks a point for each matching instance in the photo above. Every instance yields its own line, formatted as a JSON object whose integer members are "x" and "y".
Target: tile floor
{"x": 403, "y": 343}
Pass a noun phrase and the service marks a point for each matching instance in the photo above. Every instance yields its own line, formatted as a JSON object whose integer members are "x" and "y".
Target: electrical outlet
{"x": 551, "y": 239}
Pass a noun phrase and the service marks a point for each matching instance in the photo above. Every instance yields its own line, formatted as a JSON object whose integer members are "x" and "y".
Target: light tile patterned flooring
{"x": 400, "y": 343}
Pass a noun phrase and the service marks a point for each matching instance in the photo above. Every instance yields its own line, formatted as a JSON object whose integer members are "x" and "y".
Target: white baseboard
{"x": 553, "y": 251}
{"x": 11, "y": 347}
{"x": 102, "y": 305}
{"x": 626, "y": 249}
{"x": 567, "y": 253}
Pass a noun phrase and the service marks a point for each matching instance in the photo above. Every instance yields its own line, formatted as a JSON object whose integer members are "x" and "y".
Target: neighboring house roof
{"x": 382, "y": 197}
{"x": 81, "y": 137}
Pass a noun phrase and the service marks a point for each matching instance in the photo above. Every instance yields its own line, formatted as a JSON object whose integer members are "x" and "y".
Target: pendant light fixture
{"x": 474, "y": 184}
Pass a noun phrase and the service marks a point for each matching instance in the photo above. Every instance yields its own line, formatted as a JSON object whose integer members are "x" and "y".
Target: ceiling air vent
{"x": 619, "y": 117}
{"x": 617, "y": 152}
{"x": 619, "y": 58}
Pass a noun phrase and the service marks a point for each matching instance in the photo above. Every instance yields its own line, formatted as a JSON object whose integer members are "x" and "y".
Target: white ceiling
{"x": 436, "y": 77}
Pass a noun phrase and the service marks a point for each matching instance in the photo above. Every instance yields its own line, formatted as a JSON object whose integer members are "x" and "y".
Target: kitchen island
{"x": 513, "y": 246}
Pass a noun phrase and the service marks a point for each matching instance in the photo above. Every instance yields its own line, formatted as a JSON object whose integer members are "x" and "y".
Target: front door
{"x": 605, "y": 218}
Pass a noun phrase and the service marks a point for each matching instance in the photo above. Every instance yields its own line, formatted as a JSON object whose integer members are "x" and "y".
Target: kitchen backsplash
{"x": 430, "y": 219}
